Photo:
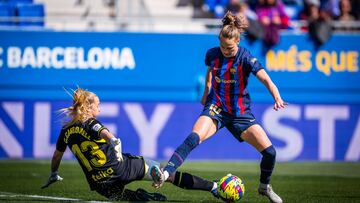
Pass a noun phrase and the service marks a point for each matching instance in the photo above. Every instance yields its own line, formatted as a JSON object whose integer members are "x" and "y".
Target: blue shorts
{"x": 236, "y": 125}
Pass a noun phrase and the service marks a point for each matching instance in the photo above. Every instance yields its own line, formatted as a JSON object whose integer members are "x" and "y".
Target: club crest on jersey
{"x": 217, "y": 79}
{"x": 233, "y": 70}
{"x": 253, "y": 60}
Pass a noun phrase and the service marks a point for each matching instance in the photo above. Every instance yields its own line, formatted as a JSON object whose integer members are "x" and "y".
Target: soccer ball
{"x": 231, "y": 188}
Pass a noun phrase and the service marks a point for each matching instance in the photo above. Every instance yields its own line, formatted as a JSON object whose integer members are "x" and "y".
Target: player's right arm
{"x": 265, "y": 79}
{"x": 207, "y": 85}
{"x": 113, "y": 141}
{"x": 97, "y": 129}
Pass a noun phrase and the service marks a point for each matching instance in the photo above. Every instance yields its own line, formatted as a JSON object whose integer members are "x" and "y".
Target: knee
{"x": 269, "y": 152}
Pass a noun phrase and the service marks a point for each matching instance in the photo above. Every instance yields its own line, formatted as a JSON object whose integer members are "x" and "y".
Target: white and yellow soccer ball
{"x": 231, "y": 188}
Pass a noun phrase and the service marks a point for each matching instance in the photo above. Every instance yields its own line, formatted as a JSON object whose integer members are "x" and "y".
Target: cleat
{"x": 215, "y": 193}
{"x": 157, "y": 176}
{"x": 269, "y": 192}
{"x": 143, "y": 195}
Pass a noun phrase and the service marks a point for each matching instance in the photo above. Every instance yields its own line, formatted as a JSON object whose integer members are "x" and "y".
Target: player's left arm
{"x": 56, "y": 160}
{"x": 207, "y": 86}
{"x": 266, "y": 80}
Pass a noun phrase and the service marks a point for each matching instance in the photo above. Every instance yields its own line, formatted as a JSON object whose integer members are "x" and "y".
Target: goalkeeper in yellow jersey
{"x": 99, "y": 154}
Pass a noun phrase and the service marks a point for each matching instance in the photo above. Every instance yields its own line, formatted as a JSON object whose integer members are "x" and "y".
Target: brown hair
{"x": 80, "y": 110}
{"x": 233, "y": 26}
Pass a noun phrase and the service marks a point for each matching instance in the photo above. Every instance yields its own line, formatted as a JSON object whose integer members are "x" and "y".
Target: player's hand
{"x": 54, "y": 176}
{"x": 279, "y": 104}
{"x": 116, "y": 144}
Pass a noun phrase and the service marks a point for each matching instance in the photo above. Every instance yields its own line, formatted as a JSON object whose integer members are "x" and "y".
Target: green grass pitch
{"x": 20, "y": 181}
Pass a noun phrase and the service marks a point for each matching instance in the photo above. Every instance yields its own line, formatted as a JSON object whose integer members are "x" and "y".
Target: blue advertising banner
{"x": 169, "y": 67}
{"x": 319, "y": 132}
{"x": 150, "y": 85}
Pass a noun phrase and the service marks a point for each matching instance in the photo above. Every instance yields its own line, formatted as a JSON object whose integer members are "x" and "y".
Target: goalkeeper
{"x": 99, "y": 154}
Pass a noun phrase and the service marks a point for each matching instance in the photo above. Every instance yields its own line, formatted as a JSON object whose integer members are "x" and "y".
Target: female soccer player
{"x": 98, "y": 152}
{"x": 227, "y": 103}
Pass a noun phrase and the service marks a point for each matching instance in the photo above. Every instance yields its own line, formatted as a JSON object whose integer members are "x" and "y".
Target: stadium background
{"x": 150, "y": 83}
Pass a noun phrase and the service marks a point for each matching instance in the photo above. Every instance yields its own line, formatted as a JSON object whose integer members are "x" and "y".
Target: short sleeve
{"x": 60, "y": 144}
{"x": 95, "y": 128}
{"x": 253, "y": 63}
{"x": 211, "y": 55}
{"x": 208, "y": 58}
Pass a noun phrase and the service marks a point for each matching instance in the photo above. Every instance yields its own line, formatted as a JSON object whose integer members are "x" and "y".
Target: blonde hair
{"x": 81, "y": 108}
{"x": 233, "y": 26}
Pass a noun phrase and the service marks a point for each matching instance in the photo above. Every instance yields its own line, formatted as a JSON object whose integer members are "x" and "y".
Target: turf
{"x": 295, "y": 182}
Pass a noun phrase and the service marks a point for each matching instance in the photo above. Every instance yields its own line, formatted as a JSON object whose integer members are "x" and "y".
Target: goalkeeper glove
{"x": 54, "y": 176}
{"x": 116, "y": 144}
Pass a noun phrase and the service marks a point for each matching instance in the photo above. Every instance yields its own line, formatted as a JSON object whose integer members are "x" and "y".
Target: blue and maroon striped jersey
{"x": 230, "y": 79}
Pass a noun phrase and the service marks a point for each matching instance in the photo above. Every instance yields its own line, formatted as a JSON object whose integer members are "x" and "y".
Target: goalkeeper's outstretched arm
{"x": 113, "y": 141}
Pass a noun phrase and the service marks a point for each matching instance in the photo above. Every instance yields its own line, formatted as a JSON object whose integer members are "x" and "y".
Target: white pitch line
{"x": 14, "y": 195}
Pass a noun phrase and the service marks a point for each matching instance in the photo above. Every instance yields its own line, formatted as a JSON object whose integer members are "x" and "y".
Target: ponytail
{"x": 233, "y": 26}
{"x": 81, "y": 107}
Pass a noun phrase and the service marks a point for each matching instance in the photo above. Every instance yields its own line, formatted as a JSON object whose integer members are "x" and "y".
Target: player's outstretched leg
{"x": 184, "y": 181}
{"x": 180, "y": 154}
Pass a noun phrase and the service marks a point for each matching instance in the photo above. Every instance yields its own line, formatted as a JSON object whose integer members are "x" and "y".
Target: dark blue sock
{"x": 191, "y": 182}
{"x": 267, "y": 164}
{"x": 182, "y": 152}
